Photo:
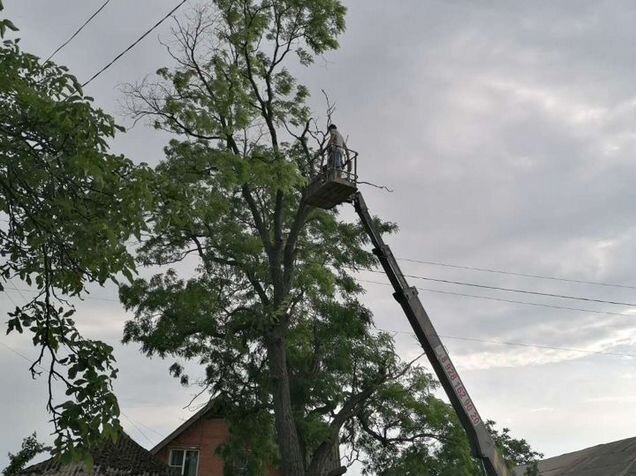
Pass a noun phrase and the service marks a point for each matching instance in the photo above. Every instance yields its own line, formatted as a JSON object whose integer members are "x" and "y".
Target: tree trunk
{"x": 326, "y": 460}
{"x": 292, "y": 462}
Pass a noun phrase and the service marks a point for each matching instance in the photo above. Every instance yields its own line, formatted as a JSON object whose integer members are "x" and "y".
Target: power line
{"x": 134, "y": 43}
{"x": 520, "y": 344}
{"x": 10, "y": 298}
{"x": 21, "y": 355}
{"x": 487, "y": 270}
{"x": 160, "y": 435}
{"x": 13, "y": 286}
{"x": 511, "y": 290}
{"x": 470, "y": 339}
{"x": 538, "y": 346}
{"x": 489, "y": 298}
{"x": 512, "y": 273}
{"x": 438, "y": 291}
{"x": 82, "y": 298}
{"x": 500, "y": 271}
{"x": 137, "y": 428}
{"x": 78, "y": 30}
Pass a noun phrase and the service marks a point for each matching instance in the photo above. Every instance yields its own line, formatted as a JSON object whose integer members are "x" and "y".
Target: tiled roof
{"x": 610, "y": 459}
{"x": 124, "y": 458}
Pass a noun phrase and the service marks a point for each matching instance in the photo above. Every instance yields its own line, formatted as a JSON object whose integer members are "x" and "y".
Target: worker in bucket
{"x": 337, "y": 149}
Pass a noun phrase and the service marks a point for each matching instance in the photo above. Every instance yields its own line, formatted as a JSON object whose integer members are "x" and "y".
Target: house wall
{"x": 205, "y": 435}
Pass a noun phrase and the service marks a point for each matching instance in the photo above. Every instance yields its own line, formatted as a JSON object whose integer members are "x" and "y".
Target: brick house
{"x": 191, "y": 448}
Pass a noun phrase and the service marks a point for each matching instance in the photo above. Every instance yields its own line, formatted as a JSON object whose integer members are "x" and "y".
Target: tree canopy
{"x": 67, "y": 207}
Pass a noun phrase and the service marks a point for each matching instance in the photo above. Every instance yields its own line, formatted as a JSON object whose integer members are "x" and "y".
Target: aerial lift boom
{"x": 332, "y": 187}
{"x": 482, "y": 444}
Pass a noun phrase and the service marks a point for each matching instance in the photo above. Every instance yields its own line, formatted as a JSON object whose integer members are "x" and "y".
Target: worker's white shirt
{"x": 337, "y": 139}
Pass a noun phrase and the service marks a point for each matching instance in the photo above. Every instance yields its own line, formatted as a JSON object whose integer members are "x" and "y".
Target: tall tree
{"x": 271, "y": 309}
{"x": 67, "y": 207}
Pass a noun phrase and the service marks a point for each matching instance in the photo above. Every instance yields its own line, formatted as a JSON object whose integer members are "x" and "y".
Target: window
{"x": 239, "y": 467}
{"x": 186, "y": 460}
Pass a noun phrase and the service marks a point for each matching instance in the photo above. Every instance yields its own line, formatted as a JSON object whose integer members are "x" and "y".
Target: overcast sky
{"x": 506, "y": 130}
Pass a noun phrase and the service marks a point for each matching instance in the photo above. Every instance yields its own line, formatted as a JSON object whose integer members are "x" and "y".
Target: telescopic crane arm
{"x": 482, "y": 444}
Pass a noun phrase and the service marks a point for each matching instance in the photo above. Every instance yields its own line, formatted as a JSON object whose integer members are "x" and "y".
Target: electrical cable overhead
{"x": 20, "y": 354}
{"x": 13, "y": 286}
{"x": 24, "y": 357}
{"x": 10, "y": 298}
{"x": 81, "y": 298}
{"x": 78, "y": 30}
{"x": 135, "y": 43}
{"x": 470, "y": 339}
{"x": 137, "y": 428}
{"x": 160, "y": 435}
{"x": 512, "y": 290}
{"x": 512, "y": 273}
{"x": 539, "y": 346}
{"x": 437, "y": 291}
{"x": 520, "y": 344}
{"x": 512, "y": 301}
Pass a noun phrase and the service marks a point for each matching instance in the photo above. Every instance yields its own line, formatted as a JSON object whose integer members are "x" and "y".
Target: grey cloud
{"x": 506, "y": 130}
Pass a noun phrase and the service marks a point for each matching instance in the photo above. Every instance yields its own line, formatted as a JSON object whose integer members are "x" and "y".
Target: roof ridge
{"x": 585, "y": 458}
{"x": 592, "y": 447}
{"x": 123, "y": 455}
{"x": 185, "y": 425}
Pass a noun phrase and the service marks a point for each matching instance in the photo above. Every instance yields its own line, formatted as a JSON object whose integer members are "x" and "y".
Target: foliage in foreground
{"x": 69, "y": 206}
